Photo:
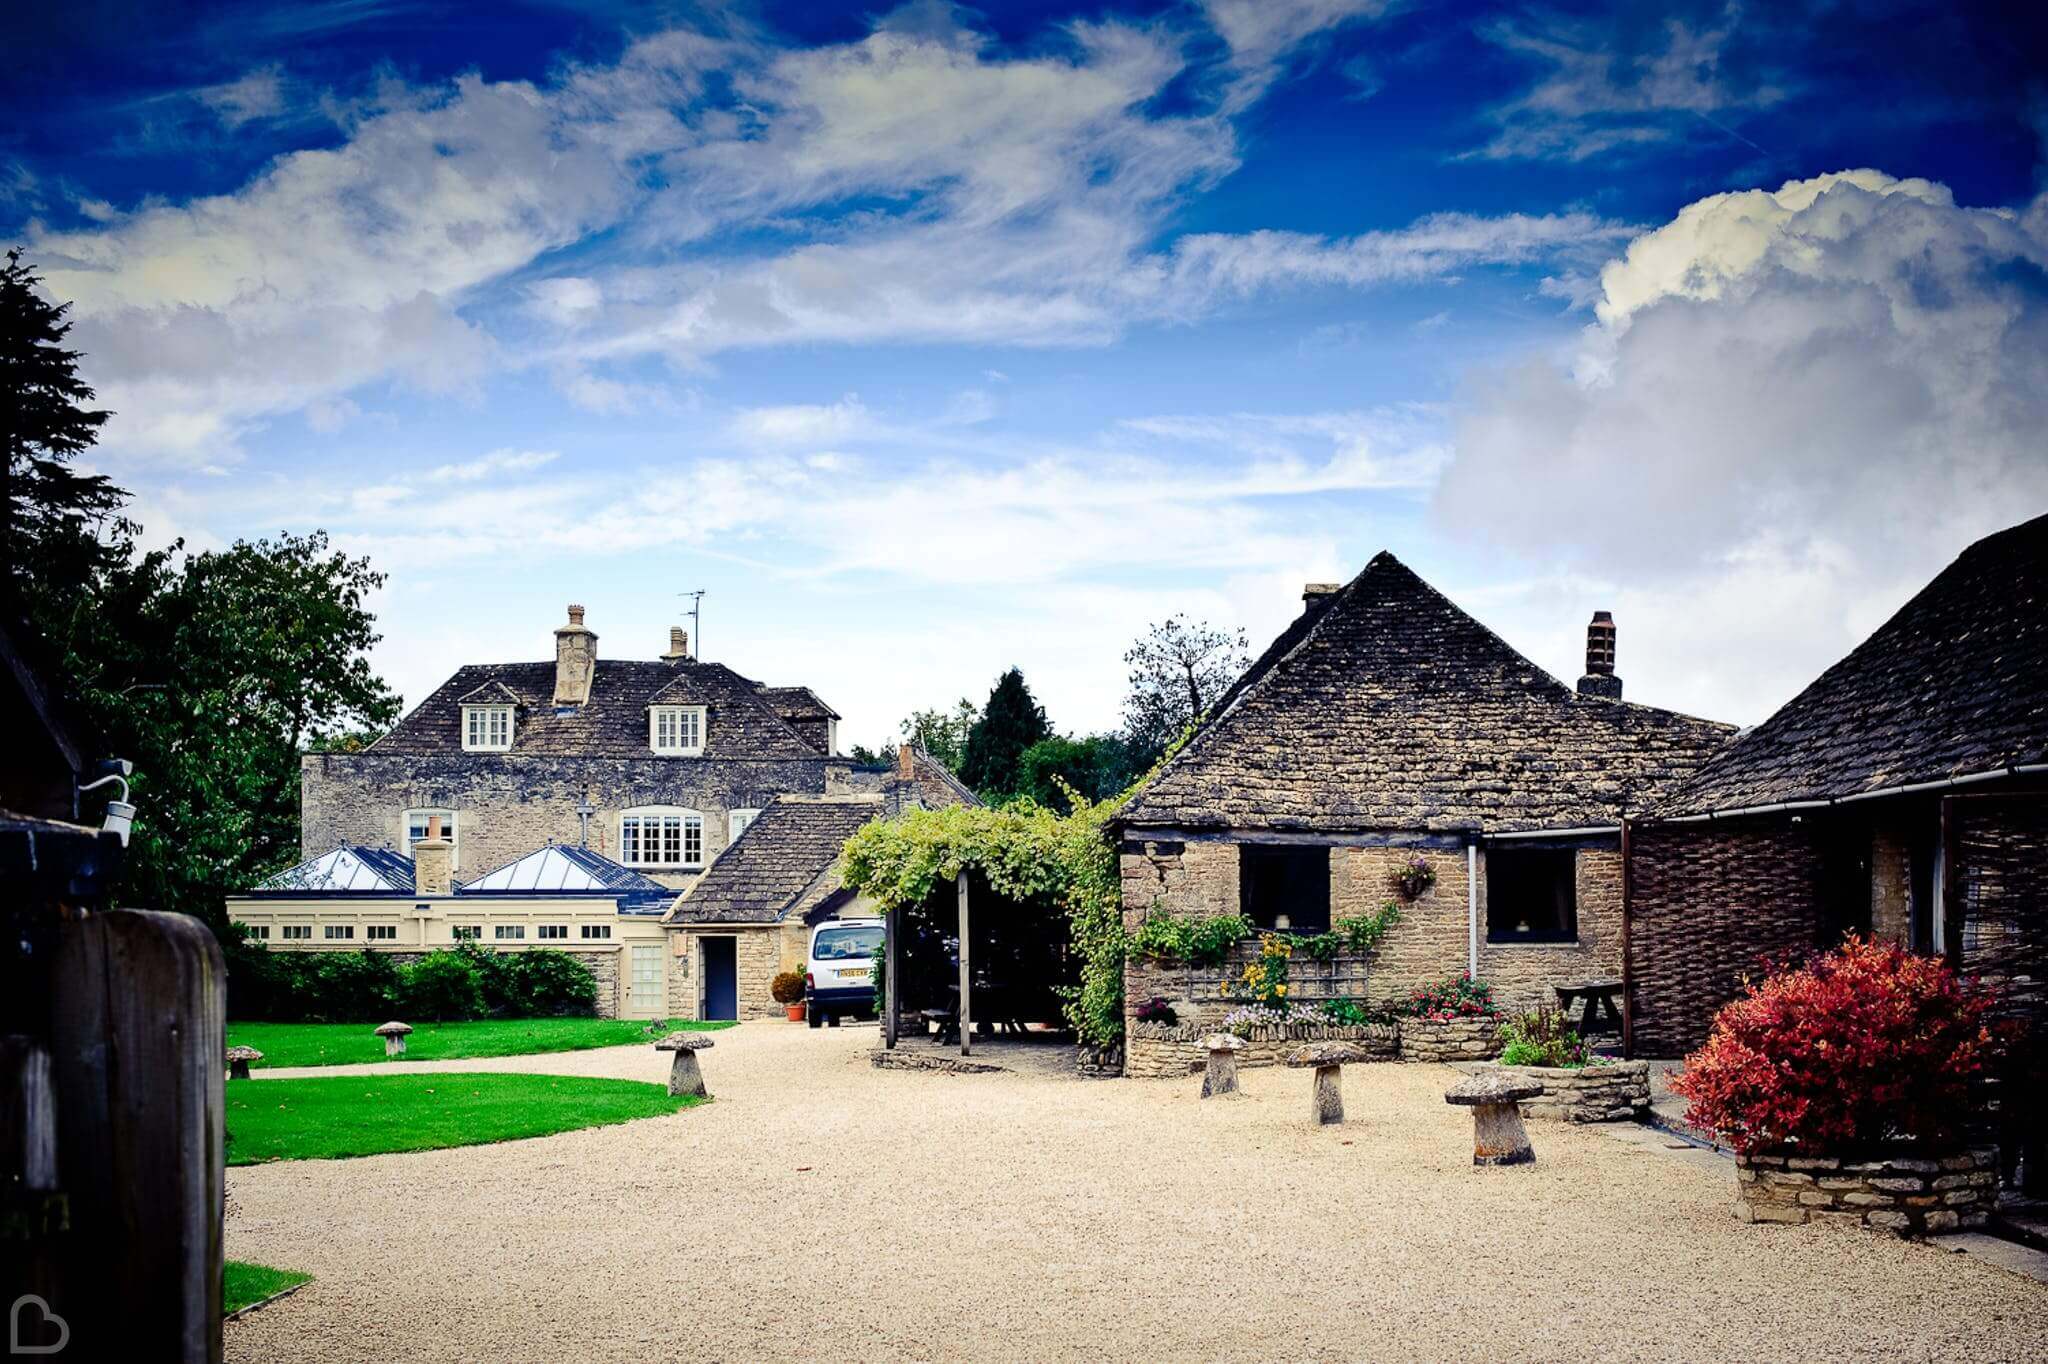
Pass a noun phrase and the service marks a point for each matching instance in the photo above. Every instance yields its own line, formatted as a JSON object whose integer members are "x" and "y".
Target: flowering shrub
{"x": 1244, "y": 1018}
{"x": 1415, "y": 876}
{"x": 1543, "y": 1037}
{"x": 1350, "y": 1013}
{"x": 1353, "y": 933}
{"x": 1865, "y": 1044}
{"x": 1264, "y": 980}
{"x": 1157, "y": 1010}
{"x": 1458, "y": 997}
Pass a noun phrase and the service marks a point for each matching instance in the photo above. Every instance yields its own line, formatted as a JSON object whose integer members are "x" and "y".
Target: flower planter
{"x": 1153, "y": 1050}
{"x": 1470, "y": 1037}
{"x": 796, "y": 1013}
{"x": 1607, "y": 1091}
{"x": 1908, "y": 1190}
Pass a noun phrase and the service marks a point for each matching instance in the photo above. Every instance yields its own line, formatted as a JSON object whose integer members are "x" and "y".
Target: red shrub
{"x": 1864, "y": 1044}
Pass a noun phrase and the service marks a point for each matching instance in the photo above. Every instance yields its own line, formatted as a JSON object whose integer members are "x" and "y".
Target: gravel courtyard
{"x": 822, "y": 1209}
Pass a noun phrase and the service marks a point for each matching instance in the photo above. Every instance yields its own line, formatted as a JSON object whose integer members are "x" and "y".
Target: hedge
{"x": 451, "y": 984}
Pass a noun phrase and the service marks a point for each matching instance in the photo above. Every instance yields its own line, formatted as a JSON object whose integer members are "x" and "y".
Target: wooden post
{"x": 966, "y": 1006}
{"x": 891, "y": 987}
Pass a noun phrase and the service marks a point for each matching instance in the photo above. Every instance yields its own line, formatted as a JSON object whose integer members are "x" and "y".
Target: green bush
{"x": 1205, "y": 942}
{"x": 547, "y": 982}
{"x": 340, "y": 986}
{"x": 441, "y": 986}
{"x": 1542, "y": 1037}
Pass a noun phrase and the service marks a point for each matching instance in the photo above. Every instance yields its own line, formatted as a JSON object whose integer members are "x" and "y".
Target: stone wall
{"x": 1911, "y": 1195}
{"x": 1430, "y": 942}
{"x": 1195, "y": 880}
{"x": 1891, "y": 887}
{"x": 506, "y": 805}
{"x": 1453, "y": 1039}
{"x": 1154, "y": 1050}
{"x": 761, "y": 952}
{"x": 1610, "y": 1091}
{"x": 1522, "y": 974}
{"x": 1705, "y": 901}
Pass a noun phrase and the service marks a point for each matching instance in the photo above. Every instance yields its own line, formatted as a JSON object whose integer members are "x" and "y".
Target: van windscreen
{"x": 836, "y": 944}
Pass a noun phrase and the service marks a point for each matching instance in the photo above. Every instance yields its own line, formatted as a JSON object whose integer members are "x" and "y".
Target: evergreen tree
{"x": 51, "y": 517}
{"x": 1011, "y": 722}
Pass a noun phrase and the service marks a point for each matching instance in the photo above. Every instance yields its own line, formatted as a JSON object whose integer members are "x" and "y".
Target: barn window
{"x": 1532, "y": 895}
{"x": 1284, "y": 887}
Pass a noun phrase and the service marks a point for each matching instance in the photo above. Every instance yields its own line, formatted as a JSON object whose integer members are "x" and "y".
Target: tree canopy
{"x": 1011, "y": 722}
{"x": 1179, "y": 669}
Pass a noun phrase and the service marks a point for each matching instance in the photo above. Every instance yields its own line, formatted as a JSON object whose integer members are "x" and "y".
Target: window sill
{"x": 677, "y": 752}
{"x": 1531, "y": 940}
{"x": 506, "y": 748}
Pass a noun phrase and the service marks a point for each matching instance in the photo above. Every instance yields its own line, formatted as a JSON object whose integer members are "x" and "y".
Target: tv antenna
{"x": 696, "y": 621}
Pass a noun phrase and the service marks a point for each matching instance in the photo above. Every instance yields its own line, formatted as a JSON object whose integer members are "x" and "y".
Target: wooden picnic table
{"x": 1603, "y": 1005}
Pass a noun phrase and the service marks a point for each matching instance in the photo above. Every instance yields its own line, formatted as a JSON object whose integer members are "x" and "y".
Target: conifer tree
{"x": 1011, "y": 722}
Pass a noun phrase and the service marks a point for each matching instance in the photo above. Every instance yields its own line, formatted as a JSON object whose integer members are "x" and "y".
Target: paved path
{"x": 823, "y": 1210}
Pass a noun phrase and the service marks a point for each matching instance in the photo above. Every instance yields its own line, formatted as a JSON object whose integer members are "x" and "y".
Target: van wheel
{"x": 814, "y": 1019}
{"x": 831, "y": 1020}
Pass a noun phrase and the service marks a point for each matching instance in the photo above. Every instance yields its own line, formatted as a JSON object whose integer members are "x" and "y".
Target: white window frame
{"x": 260, "y": 932}
{"x": 508, "y": 933}
{"x": 687, "y": 822}
{"x": 479, "y": 724}
{"x": 682, "y": 740}
{"x": 595, "y": 931}
{"x": 338, "y": 933}
{"x": 296, "y": 933}
{"x": 551, "y": 932}
{"x": 736, "y": 822}
{"x": 380, "y": 932}
{"x": 466, "y": 932}
{"x": 451, "y": 829}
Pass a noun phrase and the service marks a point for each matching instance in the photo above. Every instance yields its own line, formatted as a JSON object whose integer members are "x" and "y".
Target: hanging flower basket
{"x": 1415, "y": 877}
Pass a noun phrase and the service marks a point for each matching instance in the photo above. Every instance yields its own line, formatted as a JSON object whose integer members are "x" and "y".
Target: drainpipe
{"x": 1472, "y": 910}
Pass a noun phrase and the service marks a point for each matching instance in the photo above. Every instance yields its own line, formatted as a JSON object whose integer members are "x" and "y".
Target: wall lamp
{"x": 120, "y": 814}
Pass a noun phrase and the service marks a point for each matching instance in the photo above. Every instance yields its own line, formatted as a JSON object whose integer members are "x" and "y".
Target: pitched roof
{"x": 1953, "y": 685}
{"x": 613, "y": 723}
{"x": 559, "y": 868}
{"x": 492, "y": 692}
{"x": 1385, "y": 707}
{"x": 349, "y": 867}
{"x": 790, "y": 844}
{"x": 796, "y": 703}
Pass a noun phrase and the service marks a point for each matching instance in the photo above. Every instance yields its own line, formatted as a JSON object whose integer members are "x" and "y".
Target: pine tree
{"x": 1011, "y": 722}
{"x": 51, "y": 517}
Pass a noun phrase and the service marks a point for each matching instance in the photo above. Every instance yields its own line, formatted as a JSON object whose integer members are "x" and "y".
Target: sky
{"x": 931, "y": 340}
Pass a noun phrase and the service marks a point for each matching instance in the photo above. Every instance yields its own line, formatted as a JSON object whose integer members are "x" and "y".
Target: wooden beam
{"x": 966, "y": 997}
{"x": 890, "y": 973}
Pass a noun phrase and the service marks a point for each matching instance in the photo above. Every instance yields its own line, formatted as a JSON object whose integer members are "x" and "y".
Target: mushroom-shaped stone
{"x": 394, "y": 1037}
{"x": 685, "y": 1076}
{"x": 1326, "y": 1096}
{"x": 1498, "y": 1137}
{"x": 1219, "y": 1077}
{"x": 239, "y": 1059}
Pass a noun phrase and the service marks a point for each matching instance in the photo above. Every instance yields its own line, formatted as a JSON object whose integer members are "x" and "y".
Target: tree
{"x": 1011, "y": 722}
{"x": 943, "y": 733}
{"x": 214, "y": 673}
{"x": 50, "y": 515}
{"x": 1097, "y": 767}
{"x": 1178, "y": 671}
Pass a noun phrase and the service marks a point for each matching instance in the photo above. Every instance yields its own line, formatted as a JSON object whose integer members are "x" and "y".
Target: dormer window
{"x": 486, "y": 729}
{"x": 676, "y": 731}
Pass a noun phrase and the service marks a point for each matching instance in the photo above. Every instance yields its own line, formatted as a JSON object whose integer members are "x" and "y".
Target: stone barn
{"x": 1386, "y": 724}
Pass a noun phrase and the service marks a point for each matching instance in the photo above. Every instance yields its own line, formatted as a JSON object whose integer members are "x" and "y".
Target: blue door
{"x": 721, "y": 977}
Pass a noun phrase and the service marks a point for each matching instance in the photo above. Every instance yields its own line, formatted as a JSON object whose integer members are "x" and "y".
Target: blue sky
{"x": 934, "y": 339}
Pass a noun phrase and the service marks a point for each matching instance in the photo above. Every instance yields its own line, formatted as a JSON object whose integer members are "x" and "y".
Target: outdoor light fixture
{"x": 120, "y": 814}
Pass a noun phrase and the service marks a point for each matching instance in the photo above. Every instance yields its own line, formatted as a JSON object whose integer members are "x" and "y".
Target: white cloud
{"x": 257, "y": 95}
{"x": 802, "y": 424}
{"x": 1794, "y": 408}
{"x": 495, "y": 463}
{"x": 1262, "y": 34}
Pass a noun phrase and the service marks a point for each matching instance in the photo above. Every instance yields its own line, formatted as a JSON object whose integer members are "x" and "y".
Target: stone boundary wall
{"x": 1155, "y": 1050}
{"x": 1910, "y": 1195}
{"x": 1455, "y": 1039}
{"x": 1613, "y": 1091}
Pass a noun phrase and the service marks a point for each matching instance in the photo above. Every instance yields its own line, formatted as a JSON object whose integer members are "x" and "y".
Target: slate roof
{"x": 351, "y": 867}
{"x": 1954, "y": 684}
{"x": 560, "y": 868}
{"x": 796, "y": 703}
{"x": 1384, "y": 707}
{"x": 739, "y": 722}
{"x": 780, "y": 855}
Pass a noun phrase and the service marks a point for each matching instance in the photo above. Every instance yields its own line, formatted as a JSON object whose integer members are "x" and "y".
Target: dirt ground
{"x": 823, "y": 1209}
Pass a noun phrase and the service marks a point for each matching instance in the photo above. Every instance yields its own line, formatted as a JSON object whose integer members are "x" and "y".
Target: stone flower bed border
{"x": 1472, "y": 1037}
{"x": 1914, "y": 1195}
{"x": 1154, "y": 1050}
{"x": 1607, "y": 1091}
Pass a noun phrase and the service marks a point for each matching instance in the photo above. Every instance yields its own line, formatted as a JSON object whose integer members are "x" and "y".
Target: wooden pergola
{"x": 893, "y": 976}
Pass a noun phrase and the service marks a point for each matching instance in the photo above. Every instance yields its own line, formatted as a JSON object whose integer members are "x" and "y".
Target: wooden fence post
{"x": 966, "y": 1007}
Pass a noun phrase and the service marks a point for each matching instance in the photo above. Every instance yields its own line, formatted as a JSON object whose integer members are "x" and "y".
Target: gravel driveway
{"x": 822, "y": 1209}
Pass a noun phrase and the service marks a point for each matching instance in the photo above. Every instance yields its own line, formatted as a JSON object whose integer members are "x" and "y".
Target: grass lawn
{"x": 336, "y": 1116}
{"x": 348, "y": 1044}
{"x": 243, "y": 1283}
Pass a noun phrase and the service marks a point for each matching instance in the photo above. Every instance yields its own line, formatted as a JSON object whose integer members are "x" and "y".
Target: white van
{"x": 839, "y": 976}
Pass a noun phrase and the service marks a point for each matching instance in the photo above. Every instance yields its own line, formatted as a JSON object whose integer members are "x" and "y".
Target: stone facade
{"x": 508, "y": 804}
{"x": 1452, "y": 1039}
{"x": 1154, "y": 1050}
{"x": 1891, "y": 886}
{"x": 761, "y": 952}
{"x": 1611, "y": 1091}
{"x": 1908, "y": 1194}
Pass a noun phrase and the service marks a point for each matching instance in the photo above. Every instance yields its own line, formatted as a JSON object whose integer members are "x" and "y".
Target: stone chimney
{"x": 906, "y": 763}
{"x": 433, "y": 862}
{"x": 1600, "y": 679}
{"x": 678, "y": 645}
{"x": 575, "y": 660}
{"x": 1311, "y": 593}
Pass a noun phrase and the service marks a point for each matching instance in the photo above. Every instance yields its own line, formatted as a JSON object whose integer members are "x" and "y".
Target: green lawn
{"x": 243, "y": 1283}
{"x": 348, "y": 1044}
{"x": 336, "y": 1116}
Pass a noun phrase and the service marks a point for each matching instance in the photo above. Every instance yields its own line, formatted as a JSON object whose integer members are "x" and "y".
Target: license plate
{"x": 859, "y": 974}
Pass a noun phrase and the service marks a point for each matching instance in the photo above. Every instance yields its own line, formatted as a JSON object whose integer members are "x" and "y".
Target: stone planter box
{"x": 1152, "y": 1050}
{"x": 1917, "y": 1194}
{"x": 1611, "y": 1091}
{"x": 1454, "y": 1039}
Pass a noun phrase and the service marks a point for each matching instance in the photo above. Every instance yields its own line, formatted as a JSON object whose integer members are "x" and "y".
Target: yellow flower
{"x": 1283, "y": 989}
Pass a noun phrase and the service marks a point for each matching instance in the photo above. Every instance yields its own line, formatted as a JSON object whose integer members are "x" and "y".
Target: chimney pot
{"x": 575, "y": 659}
{"x": 678, "y": 644}
{"x": 1600, "y": 679}
{"x": 1311, "y": 593}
